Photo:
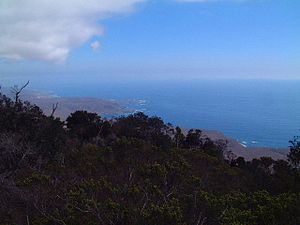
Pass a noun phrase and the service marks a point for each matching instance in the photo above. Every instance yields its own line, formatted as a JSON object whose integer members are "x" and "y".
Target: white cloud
{"x": 49, "y": 29}
{"x": 95, "y": 45}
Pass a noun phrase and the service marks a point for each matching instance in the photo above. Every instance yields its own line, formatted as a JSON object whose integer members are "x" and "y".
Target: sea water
{"x": 255, "y": 112}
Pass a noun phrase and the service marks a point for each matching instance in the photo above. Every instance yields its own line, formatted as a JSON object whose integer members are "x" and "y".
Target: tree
{"x": 141, "y": 126}
{"x": 84, "y": 125}
{"x": 193, "y": 139}
{"x": 294, "y": 154}
{"x": 179, "y": 137}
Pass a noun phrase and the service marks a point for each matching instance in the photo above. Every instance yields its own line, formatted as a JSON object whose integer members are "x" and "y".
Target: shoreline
{"x": 68, "y": 105}
{"x": 248, "y": 153}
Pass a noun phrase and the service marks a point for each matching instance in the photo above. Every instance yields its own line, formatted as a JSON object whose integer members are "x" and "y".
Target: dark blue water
{"x": 256, "y": 112}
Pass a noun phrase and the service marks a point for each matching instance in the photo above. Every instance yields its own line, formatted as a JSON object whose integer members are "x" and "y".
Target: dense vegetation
{"x": 134, "y": 170}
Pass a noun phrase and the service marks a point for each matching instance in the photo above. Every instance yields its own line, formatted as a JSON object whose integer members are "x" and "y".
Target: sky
{"x": 149, "y": 39}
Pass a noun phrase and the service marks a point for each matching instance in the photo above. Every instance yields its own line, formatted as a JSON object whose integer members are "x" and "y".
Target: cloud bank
{"x": 49, "y": 29}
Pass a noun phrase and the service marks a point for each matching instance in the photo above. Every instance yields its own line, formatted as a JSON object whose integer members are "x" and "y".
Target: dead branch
{"x": 17, "y": 91}
{"x": 48, "y": 216}
{"x": 146, "y": 201}
{"x": 201, "y": 219}
{"x": 54, "y": 108}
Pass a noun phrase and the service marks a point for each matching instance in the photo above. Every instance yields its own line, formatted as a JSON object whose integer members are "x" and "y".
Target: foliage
{"x": 132, "y": 170}
{"x": 294, "y": 155}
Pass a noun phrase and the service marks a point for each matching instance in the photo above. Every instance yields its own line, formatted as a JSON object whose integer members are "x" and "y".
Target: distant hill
{"x": 248, "y": 153}
{"x": 67, "y": 105}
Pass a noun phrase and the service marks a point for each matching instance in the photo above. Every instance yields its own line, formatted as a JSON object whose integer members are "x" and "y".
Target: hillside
{"x": 248, "y": 153}
{"x": 130, "y": 171}
{"x": 67, "y": 105}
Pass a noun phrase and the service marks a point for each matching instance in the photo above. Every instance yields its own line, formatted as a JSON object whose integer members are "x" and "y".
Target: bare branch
{"x": 17, "y": 91}
{"x": 48, "y": 216}
{"x": 27, "y": 219}
{"x": 145, "y": 202}
{"x": 201, "y": 219}
{"x": 54, "y": 108}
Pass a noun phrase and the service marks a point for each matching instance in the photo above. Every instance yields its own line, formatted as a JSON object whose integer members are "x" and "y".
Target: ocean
{"x": 258, "y": 113}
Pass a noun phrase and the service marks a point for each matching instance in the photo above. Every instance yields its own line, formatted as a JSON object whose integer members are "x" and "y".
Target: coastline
{"x": 248, "y": 153}
{"x": 67, "y": 105}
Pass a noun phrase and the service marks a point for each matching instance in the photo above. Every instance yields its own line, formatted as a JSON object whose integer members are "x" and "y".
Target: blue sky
{"x": 166, "y": 39}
